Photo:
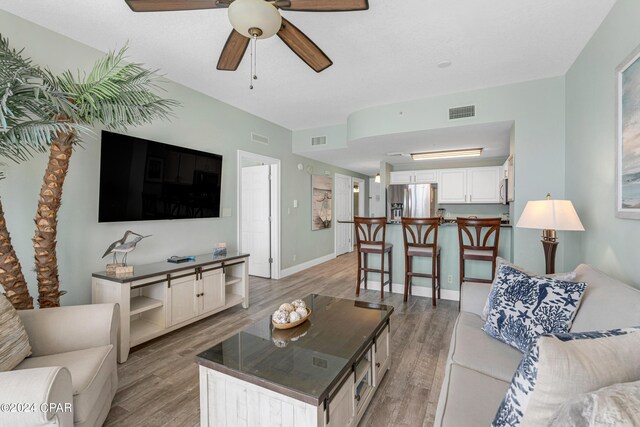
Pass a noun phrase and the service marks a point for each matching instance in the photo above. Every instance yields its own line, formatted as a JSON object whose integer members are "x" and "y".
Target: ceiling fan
{"x": 259, "y": 19}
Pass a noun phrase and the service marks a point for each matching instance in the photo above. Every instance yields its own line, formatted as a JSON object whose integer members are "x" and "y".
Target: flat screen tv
{"x": 143, "y": 180}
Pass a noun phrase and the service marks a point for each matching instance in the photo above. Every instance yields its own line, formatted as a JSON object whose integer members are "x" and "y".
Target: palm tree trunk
{"x": 44, "y": 241}
{"x": 11, "y": 276}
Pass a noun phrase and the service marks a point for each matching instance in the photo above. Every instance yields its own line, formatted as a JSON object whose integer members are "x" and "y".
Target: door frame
{"x": 361, "y": 203}
{"x": 275, "y": 165}
{"x": 335, "y": 210}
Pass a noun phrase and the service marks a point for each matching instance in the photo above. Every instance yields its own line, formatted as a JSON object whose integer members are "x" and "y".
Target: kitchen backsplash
{"x": 481, "y": 211}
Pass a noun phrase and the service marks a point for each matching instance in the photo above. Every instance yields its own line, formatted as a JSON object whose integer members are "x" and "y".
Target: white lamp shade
{"x": 550, "y": 215}
{"x": 247, "y": 14}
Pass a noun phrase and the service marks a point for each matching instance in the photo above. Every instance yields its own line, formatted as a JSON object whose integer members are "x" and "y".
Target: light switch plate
{"x": 226, "y": 212}
{"x": 295, "y": 203}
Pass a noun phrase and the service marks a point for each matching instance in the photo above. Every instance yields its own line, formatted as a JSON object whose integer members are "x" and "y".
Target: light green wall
{"x": 608, "y": 243}
{"x": 537, "y": 110}
{"x": 202, "y": 123}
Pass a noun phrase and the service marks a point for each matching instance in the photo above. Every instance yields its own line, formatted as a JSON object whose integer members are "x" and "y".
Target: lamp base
{"x": 550, "y": 247}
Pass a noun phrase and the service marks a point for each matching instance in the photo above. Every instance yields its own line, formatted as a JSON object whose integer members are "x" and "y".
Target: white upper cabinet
{"x": 425, "y": 177}
{"x": 401, "y": 177}
{"x": 452, "y": 186}
{"x": 483, "y": 184}
{"x": 414, "y": 177}
{"x": 470, "y": 185}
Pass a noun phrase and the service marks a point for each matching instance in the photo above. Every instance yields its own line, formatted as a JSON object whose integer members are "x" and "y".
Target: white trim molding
{"x": 418, "y": 291}
{"x": 305, "y": 265}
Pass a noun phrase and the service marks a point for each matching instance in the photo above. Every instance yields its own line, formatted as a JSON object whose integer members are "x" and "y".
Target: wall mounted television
{"x": 142, "y": 180}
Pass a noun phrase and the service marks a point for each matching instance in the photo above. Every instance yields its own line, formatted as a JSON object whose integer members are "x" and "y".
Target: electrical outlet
{"x": 450, "y": 279}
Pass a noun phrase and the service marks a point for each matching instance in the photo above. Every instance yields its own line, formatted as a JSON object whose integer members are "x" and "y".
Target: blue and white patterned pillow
{"x": 523, "y": 307}
{"x": 554, "y": 371}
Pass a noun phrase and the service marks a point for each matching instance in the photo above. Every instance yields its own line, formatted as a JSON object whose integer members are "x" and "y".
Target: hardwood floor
{"x": 158, "y": 385}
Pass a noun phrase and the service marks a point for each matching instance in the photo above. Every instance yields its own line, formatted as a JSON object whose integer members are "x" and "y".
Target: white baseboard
{"x": 303, "y": 266}
{"x": 419, "y": 291}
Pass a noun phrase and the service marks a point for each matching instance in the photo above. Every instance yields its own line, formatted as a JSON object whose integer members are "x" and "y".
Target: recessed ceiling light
{"x": 444, "y": 64}
{"x": 449, "y": 154}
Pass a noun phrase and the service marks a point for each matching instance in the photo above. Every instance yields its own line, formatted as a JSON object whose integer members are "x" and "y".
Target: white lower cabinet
{"x": 211, "y": 290}
{"x": 183, "y": 303}
{"x": 342, "y": 410}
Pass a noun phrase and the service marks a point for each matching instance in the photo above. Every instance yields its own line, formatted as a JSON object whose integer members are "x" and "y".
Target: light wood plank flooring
{"x": 158, "y": 385}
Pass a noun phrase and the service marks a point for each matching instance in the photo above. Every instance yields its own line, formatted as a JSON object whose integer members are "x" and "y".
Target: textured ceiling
{"x": 384, "y": 55}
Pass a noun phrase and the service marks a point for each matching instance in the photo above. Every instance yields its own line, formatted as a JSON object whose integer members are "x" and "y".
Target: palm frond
{"x": 30, "y": 106}
{"x": 117, "y": 94}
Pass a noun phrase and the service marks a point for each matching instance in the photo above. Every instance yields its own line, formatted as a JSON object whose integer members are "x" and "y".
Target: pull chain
{"x": 254, "y": 56}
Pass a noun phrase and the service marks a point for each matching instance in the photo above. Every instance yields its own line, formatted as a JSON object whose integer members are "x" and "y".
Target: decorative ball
{"x": 299, "y": 304}
{"x": 287, "y": 307}
{"x": 302, "y": 312}
{"x": 280, "y": 316}
{"x": 294, "y": 316}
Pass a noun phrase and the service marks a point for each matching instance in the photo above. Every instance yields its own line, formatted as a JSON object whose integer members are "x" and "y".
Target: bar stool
{"x": 370, "y": 239}
{"x": 483, "y": 236}
{"x": 416, "y": 233}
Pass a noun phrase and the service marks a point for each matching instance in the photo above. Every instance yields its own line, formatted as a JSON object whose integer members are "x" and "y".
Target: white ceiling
{"x": 384, "y": 55}
{"x": 364, "y": 155}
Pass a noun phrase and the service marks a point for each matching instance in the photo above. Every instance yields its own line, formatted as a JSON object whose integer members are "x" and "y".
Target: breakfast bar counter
{"x": 449, "y": 258}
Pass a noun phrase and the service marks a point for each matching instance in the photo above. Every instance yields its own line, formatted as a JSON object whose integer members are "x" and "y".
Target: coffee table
{"x": 323, "y": 372}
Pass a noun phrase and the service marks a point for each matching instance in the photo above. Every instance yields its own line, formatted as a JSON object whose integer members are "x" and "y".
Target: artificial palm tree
{"x": 28, "y": 102}
{"x": 41, "y": 111}
{"x": 114, "y": 94}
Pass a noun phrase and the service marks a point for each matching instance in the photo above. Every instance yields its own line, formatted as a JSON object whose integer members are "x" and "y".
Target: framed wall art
{"x": 628, "y": 137}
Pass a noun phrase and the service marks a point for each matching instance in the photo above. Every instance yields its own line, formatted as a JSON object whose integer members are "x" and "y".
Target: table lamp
{"x": 550, "y": 215}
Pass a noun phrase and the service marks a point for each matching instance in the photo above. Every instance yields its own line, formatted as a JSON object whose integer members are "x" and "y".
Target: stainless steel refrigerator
{"x": 411, "y": 200}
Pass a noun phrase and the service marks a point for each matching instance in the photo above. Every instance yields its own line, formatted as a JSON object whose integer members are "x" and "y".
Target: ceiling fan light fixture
{"x": 448, "y": 154}
{"x": 254, "y": 18}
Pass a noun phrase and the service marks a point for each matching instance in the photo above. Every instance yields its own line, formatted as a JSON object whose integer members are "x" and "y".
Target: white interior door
{"x": 255, "y": 217}
{"x": 344, "y": 212}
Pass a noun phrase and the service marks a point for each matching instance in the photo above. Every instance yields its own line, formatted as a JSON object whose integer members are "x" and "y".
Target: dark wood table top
{"x": 305, "y": 362}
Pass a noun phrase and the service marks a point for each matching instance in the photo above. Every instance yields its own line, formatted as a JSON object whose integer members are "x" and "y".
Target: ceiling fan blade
{"x": 324, "y": 5}
{"x": 171, "y": 5}
{"x": 302, "y": 46}
{"x": 232, "y": 52}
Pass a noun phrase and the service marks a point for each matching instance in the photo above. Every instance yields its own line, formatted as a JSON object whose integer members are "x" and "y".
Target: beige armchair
{"x": 71, "y": 376}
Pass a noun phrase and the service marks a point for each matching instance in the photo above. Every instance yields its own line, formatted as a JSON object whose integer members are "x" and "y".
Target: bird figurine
{"x": 121, "y": 246}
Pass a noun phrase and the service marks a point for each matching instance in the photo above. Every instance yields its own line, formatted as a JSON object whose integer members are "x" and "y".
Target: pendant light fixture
{"x": 254, "y": 19}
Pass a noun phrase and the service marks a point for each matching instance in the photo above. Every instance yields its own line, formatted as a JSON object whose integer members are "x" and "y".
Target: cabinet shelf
{"x": 232, "y": 280}
{"x": 231, "y": 299}
{"x": 142, "y": 330}
{"x": 141, "y": 304}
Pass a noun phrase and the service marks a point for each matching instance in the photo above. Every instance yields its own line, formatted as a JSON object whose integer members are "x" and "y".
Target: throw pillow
{"x": 14, "y": 342}
{"x": 560, "y": 367}
{"x": 616, "y": 405}
{"x": 522, "y": 307}
{"x": 569, "y": 276}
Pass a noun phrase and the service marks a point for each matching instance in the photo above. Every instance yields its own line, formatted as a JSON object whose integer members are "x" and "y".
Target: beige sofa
{"x": 73, "y": 362}
{"x": 479, "y": 367}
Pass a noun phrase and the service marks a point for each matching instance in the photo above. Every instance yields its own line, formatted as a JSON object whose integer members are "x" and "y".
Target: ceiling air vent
{"x": 319, "y": 140}
{"x": 462, "y": 112}
{"x": 260, "y": 139}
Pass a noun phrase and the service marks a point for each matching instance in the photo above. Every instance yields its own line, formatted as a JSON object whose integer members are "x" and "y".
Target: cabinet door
{"x": 212, "y": 291}
{"x": 342, "y": 406}
{"x": 381, "y": 356}
{"x": 425, "y": 177}
{"x": 484, "y": 184}
{"x": 402, "y": 177}
{"x": 182, "y": 300}
{"x": 452, "y": 186}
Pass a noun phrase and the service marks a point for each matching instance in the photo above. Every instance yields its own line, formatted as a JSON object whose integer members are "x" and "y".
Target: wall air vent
{"x": 319, "y": 140}
{"x": 260, "y": 139}
{"x": 462, "y": 112}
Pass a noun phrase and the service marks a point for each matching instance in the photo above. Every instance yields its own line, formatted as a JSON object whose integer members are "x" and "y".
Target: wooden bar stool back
{"x": 479, "y": 239}
{"x": 371, "y": 239}
{"x": 421, "y": 240}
